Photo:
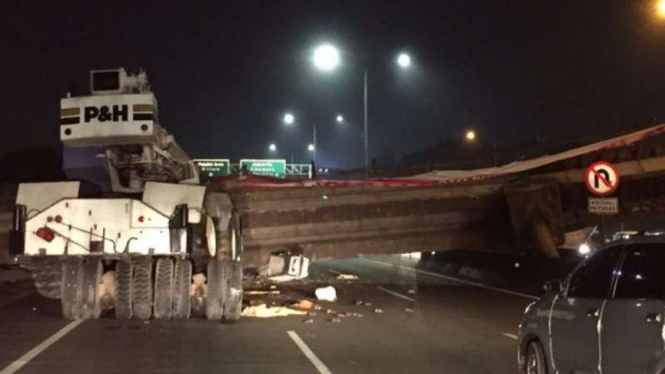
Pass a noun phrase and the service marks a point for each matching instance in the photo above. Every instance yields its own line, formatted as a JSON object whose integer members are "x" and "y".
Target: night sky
{"x": 225, "y": 72}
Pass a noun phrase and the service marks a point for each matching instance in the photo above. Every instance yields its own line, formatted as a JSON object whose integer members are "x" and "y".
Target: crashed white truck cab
{"x": 136, "y": 250}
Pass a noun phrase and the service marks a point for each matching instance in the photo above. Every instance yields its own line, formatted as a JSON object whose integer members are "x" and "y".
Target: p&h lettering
{"x": 117, "y": 113}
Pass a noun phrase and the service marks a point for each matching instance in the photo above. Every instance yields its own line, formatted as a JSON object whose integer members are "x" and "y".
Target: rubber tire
{"x": 232, "y": 290}
{"x": 142, "y": 289}
{"x": 47, "y": 275}
{"x": 90, "y": 273}
{"x": 70, "y": 293}
{"x": 214, "y": 305}
{"x": 181, "y": 284}
{"x": 123, "y": 290}
{"x": 534, "y": 351}
{"x": 163, "y": 288}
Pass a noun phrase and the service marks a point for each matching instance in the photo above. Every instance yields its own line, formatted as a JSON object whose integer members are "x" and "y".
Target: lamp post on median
{"x": 327, "y": 58}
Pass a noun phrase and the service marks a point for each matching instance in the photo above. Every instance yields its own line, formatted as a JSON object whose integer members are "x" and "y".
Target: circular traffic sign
{"x": 601, "y": 178}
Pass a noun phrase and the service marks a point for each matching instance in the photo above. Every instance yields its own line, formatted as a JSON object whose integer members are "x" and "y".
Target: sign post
{"x": 602, "y": 179}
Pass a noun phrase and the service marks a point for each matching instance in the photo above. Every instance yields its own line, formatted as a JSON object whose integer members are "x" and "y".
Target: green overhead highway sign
{"x": 210, "y": 168}
{"x": 271, "y": 168}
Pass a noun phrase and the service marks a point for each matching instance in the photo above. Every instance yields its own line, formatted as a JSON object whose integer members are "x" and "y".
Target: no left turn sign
{"x": 601, "y": 178}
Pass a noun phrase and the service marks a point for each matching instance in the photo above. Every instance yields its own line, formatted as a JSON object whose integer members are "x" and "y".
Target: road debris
{"x": 197, "y": 293}
{"x": 335, "y": 320}
{"x": 285, "y": 266}
{"x": 304, "y": 305}
{"x": 308, "y": 320}
{"x": 106, "y": 291}
{"x": 412, "y": 292}
{"x": 326, "y": 293}
{"x": 378, "y": 310}
{"x": 408, "y": 310}
{"x": 259, "y": 292}
{"x": 264, "y": 311}
{"x": 347, "y": 277}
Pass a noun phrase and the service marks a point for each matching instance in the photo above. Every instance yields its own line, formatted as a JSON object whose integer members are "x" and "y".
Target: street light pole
{"x": 314, "y": 142}
{"x": 365, "y": 109}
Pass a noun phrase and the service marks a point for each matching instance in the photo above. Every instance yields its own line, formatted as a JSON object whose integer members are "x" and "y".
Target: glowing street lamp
{"x": 339, "y": 118}
{"x": 404, "y": 60}
{"x": 470, "y": 135}
{"x": 660, "y": 8}
{"x": 272, "y": 147}
{"x": 326, "y": 57}
{"x": 289, "y": 118}
{"x": 311, "y": 148}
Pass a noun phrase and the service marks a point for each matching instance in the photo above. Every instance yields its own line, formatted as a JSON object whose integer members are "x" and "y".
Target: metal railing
{"x": 292, "y": 170}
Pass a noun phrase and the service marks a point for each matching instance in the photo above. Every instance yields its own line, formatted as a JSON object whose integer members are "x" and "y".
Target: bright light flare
{"x": 272, "y": 147}
{"x": 584, "y": 249}
{"x": 339, "y": 118}
{"x": 404, "y": 60}
{"x": 289, "y": 118}
{"x": 326, "y": 57}
{"x": 660, "y": 8}
{"x": 311, "y": 148}
{"x": 470, "y": 135}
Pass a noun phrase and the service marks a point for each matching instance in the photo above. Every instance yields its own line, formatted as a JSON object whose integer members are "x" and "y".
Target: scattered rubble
{"x": 106, "y": 291}
{"x": 259, "y": 292}
{"x": 304, "y": 305}
{"x": 308, "y": 320}
{"x": 335, "y": 320}
{"x": 412, "y": 292}
{"x": 264, "y": 311}
{"x": 326, "y": 293}
{"x": 197, "y": 293}
{"x": 347, "y": 277}
{"x": 285, "y": 266}
{"x": 378, "y": 310}
{"x": 408, "y": 310}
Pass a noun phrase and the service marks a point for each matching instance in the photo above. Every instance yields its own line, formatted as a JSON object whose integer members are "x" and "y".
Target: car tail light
{"x": 46, "y": 234}
{"x": 58, "y": 218}
{"x": 141, "y": 219}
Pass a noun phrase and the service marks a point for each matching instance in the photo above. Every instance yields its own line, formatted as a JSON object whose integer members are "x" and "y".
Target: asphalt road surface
{"x": 425, "y": 323}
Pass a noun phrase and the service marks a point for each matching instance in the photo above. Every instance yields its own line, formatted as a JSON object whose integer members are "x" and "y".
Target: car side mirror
{"x": 553, "y": 285}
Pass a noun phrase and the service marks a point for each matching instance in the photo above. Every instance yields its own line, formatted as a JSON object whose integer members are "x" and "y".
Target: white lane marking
{"x": 318, "y": 364}
{"x": 507, "y": 335}
{"x": 18, "y": 364}
{"x": 480, "y": 285}
{"x": 334, "y": 271}
{"x": 395, "y": 293}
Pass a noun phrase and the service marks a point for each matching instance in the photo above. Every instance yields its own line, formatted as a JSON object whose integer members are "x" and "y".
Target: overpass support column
{"x": 536, "y": 214}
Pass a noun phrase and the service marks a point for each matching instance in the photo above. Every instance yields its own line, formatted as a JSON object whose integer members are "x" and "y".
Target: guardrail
{"x": 292, "y": 170}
